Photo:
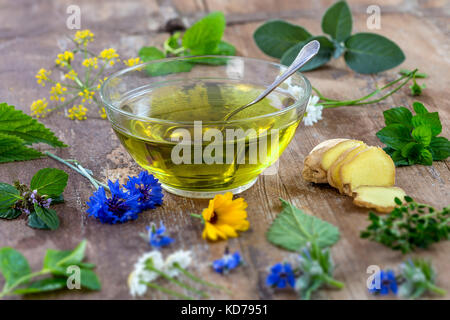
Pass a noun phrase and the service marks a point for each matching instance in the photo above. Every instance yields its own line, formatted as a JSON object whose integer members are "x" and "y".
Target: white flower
{"x": 313, "y": 111}
{"x": 181, "y": 257}
{"x": 142, "y": 273}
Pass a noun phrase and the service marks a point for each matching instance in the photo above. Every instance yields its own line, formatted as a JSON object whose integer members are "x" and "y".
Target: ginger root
{"x": 382, "y": 199}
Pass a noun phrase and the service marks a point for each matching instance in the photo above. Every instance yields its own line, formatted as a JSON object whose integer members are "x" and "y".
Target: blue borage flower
{"x": 120, "y": 208}
{"x": 280, "y": 276}
{"x": 147, "y": 188}
{"x": 227, "y": 262}
{"x": 157, "y": 238}
{"x": 387, "y": 282}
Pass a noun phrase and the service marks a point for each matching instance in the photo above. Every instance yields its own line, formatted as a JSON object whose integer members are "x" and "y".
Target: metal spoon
{"x": 307, "y": 52}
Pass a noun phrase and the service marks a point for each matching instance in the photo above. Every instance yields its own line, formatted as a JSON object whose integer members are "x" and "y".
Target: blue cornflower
{"x": 280, "y": 276}
{"x": 148, "y": 189}
{"x": 227, "y": 262}
{"x": 387, "y": 282}
{"x": 157, "y": 237}
{"x": 121, "y": 207}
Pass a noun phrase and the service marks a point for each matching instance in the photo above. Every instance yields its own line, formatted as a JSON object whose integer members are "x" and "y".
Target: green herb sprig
{"x": 46, "y": 188}
{"x": 409, "y": 226}
{"x": 54, "y": 274}
{"x": 18, "y": 131}
{"x": 203, "y": 38}
{"x": 413, "y": 139}
{"x": 363, "y": 52}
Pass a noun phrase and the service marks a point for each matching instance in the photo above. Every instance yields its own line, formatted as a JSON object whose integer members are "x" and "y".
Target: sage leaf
{"x": 275, "y": 37}
{"x": 337, "y": 21}
{"x": 323, "y": 56}
{"x": 372, "y": 53}
{"x": 49, "y": 181}
{"x": 9, "y": 195}
{"x": 48, "y": 216}
{"x": 44, "y": 285}
{"x": 292, "y": 229}
{"x": 13, "y": 265}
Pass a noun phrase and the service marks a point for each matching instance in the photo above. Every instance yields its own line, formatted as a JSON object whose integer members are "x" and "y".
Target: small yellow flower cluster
{"x": 100, "y": 82}
{"x": 39, "y": 108}
{"x": 83, "y": 37}
{"x": 57, "y": 91}
{"x": 109, "y": 55}
{"x": 71, "y": 75}
{"x": 132, "y": 62}
{"x": 86, "y": 94}
{"x": 102, "y": 113}
{"x": 90, "y": 62}
{"x": 64, "y": 59}
{"x": 42, "y": 76}
{"x": 77, "y": 112}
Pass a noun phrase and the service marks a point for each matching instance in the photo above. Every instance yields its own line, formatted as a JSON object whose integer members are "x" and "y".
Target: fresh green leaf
{"x": 9, "y": 195}
{"x": 204, "y": 35}
{"x": 323, "y": 56}
{"x": 168, "y": 67}
{"x": 10, "y": 213}
{"x": 150, "y": 53}
{"x": 275, "y": 37}
{"x": 412, "y": 150}
{"x": 12, "y": 149}
{"x": 430, "y": 119}
{"x": 43, "y": 285}
{"x": 13, "y": 265}
{"x": 48, "y": 216}
{"x": 292, "y": 229}
{"x": 224, "y": 49}
{"x": 372, "y": 53}
{"x": 405, "y": 72}
{"x": 422, "y": 134}
{"x": 89, "y": 279}
{"x": 337, "y": 21}
{"x": 400, "y": 115}
{"x": 440, "y": 148}
{"x": 35, "y": 222}
{"x": 173, "y": 44}
{"x": 416, "y": 89}
{"x": 395, "y": 136}
{"x": 419, "y": 108}
{"x": 16, "y": 123}
{"x": 57, "y": 259}
{"x": 49, "y": 181}
{"x": 425, "y": 157}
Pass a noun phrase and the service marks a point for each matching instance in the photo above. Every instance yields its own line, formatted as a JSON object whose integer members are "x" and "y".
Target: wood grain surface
{"x": 32, "y": 33}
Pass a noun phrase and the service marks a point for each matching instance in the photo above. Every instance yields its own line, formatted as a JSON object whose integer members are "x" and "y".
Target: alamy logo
{"x": 73, "y": 21}
{"x": 74, "y": 277}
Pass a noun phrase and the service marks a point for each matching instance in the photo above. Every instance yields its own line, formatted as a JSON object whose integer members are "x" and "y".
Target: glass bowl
{"x": 169, "y": 115}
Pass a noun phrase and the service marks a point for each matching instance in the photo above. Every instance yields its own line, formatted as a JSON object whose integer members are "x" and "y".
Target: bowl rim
{"x": 106, "y": 103}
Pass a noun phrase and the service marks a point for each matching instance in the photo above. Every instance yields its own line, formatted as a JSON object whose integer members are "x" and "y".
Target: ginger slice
{"x": 312, "y": 170}
{"x": 333, "y": 173}
{"x": 382, "y": 199}
{"x": 331, "y": 155}
{"x": 370, "y": 167}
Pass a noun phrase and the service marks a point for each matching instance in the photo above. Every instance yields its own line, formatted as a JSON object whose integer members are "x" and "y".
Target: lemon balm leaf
{"x": 49, "y": 181}
{"x": 337, "y": 21}
{"x": 292, "y": 229}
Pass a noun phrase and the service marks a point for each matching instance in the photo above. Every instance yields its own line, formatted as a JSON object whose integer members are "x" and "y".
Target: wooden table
{"x": 30, "y": 33}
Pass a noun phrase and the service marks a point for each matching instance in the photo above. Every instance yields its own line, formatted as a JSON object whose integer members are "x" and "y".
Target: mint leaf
{"x": 440, "y": 148}
{"x": 224, "y": 49}
{"x": 337, "y": 21}
{"x": 405, "y": 72}
{"x": 292, "y": 229}
{"x": 419, "y": 108}
{"x": 397, "y": 157}
{"x": 323, "y": 56}
{"x": 430, "y": 119}
{"x": 48, "y": 216}
{"x": 412, "y": 152}
{"x": 13, "y": 265}
{"x": 35, "y": 222}
{"x": 12, "y": 149}
{"x": 400, "y": 115}
{"x": 161, "y": 68}
{"x": 9, "y": 195}
{"x": 204, "y": 35}
{"x": 150, "y": 53}
{"x": 10, "y": 213}
{"x": 89, "y": 279}
{"x": 372, "y": 53}
{"x": 16, "y": 123}
{"x": 44, "y": 285}
{"x": 425, "y": 157}
{"x": 422, "y": 134}
{"x": 49, "y": 181}
{"x": 395, "y": 136}
{"x": 56, "y": 260}
{"x": 275, "y": 37}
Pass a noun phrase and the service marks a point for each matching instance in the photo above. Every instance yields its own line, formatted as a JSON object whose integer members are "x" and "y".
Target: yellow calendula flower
{"x": 64, "y": 59}
{"x": 109, "y": 55}
{"x": 102, "y": 113}
{"x": 77, "y": 112}
{"x": 132, "y": 62}
{"x": 224, "y": 216}
{"x": 39, "y": 108}
{"x": 86, "y": 94}
{"x": 83, "y": 37}
{"x": 90, "y": 62}
{"x": 71, "y": 75}
{"x": 100, "y": 82}
{"x": 42, "y": 76}
{"x": 57, "y": 91}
